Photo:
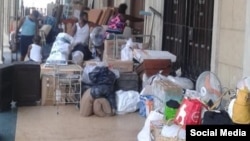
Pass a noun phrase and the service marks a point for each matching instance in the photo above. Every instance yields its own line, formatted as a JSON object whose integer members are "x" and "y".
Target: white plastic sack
{"x": 85, "y": 74}
{"x": 65, "y": 37}
{"x": 150, "y": 80}
{"x": 184, "y": 83}
{"x": 173, "y": 131}
{"x": 144, "y": 134}
{"x": 230, "y": 108}
{"x": 126, "y": 52}
{"x": 147, "y": 90}
{"x": 127, "y": 101}
{"x": 60, "y": 50}
{"x": 192, "y": 94}
{"x": 77, "y": 57}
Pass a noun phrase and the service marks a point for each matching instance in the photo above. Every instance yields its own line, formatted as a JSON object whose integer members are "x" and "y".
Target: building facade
{"x": 230, "y": 37}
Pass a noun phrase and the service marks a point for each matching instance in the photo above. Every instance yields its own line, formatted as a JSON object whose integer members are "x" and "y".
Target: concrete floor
{"x": 8, "y": 56}
{"x": 42, "y": 123}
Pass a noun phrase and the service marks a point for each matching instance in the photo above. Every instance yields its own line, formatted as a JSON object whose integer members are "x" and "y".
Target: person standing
{"x": 29, "y": 28}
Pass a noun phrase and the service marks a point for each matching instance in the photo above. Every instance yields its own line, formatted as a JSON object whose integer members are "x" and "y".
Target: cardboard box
{"x": 141, "y": 55}
{"x": 112, "y": 49}
{"x": 153, "y": 66}
{"x": 48, "y": 90}
{"x": 167, "y": 90}
{"x": 122, "y": 66}
{"x": 95, "y": 15}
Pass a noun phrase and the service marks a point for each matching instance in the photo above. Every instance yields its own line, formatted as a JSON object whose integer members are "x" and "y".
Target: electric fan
{"x": 209, "y": 88}
{"x": 97, "y": 37}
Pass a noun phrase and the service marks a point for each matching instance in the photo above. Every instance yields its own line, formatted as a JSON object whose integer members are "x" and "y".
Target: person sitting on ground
{"x": 35, "y": 50}
{"x": 80, "y": 33}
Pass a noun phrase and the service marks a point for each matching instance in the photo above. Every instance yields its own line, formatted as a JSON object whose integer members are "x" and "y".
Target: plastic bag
{"x": 126, "y": 52}
{"x": 60, "y": 50}
{"x": 189, "y": 112}
{"x": 244, "y": 82}
{"x": 77, "y": 57}
{"x": 150, "y": 80}
{"x": 185, "y": 83}
{"x": 127, "y": 101}
{"x": 144, "y": 134}
{"x": 102, "y": 75}
{"x": 173, "y": 131}
{"x": 216, "y": 117}
{"x": 85, "y": 75}
{"x": 142, "y": 104}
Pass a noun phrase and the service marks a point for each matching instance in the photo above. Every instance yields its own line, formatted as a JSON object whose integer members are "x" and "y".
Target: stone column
{"x": 1, "y": 29}
{"x": 246, "y": 65}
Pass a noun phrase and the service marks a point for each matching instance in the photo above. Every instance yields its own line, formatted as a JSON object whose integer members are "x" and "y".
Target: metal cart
{"x": 67, "y": 86}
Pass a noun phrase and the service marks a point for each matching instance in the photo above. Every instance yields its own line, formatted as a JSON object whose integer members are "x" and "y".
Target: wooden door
{"x": 188, "y": 34}
{"x": 136, "y": 7}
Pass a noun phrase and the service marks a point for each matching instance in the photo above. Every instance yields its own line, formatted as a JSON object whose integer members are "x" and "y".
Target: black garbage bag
{"x": 102, "y": 76}
{"x": 104, "y": 91}
{"x": 103, "y": 80}
{"x": 101, "y": 91}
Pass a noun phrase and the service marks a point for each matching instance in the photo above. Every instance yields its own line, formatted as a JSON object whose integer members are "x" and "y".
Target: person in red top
{"x": 117, "y": 22}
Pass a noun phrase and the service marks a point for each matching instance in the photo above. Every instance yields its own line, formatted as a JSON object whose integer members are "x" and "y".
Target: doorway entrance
{"x": 188, "y": 34}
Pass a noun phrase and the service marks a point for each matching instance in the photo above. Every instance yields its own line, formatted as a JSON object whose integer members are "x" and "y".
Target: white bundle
{"x": 60, "y": 50}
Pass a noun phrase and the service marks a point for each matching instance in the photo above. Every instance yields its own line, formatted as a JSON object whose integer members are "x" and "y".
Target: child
{"x": 12, "y": 41}
{"x": 35, "y": 50}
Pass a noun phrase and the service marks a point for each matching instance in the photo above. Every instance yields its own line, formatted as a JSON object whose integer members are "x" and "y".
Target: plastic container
{"x": 149, "y": 106}
{"x": 170, "y": 109}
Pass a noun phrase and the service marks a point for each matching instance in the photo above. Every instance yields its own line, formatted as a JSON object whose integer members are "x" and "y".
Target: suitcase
{"x": 26, "y": 83}
{"x": 5, "y": 86}
{"x": 127, "y": 81}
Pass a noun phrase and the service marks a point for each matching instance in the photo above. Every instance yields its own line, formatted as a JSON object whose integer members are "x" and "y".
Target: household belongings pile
{"x": 190, "y": 109}
{"x": 124, "y": 87}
